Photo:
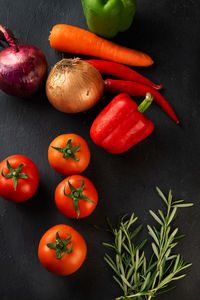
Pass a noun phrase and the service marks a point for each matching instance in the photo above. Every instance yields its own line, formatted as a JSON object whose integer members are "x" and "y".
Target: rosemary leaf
{"x": 162, "y": 215}
{"x": 130, "y": 272}
{"x": 170, "y": 198}
{"x": 184, "y": 205}
{"x": 144, "y": 266}
{"x": 172, "y": 215}
{"x": 162, "y": 195}
{"x": 136, "y": 231}
{"x": 126, "y": 281}
{"x": 179, "y": 277}
{"x": 176, "y": 262}
{"x": 118, "y": 281}
{"x": 179, "y": 237}
{"x": 153, "y": 235}
{"x": 109, "y": 246}
{"x": 109, "y": 224}
{"x": 166, "y": 289}
{"x": 145, "y": 282}
{"x": 119, "y": 244}
{"x": 177, "y": 201}
{"x": 185, "y": 267}
{"x": 156, "y": 217}
{"x": 141, "y": 245}
{"x": 111, "y": 263}
{"x": 155, "y": 250}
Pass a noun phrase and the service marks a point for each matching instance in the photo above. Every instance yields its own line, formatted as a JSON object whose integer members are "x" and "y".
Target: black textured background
{"x": 170, "y": 32}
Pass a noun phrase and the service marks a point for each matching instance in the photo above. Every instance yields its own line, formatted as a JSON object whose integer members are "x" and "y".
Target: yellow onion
{"x": 74, "y": 86}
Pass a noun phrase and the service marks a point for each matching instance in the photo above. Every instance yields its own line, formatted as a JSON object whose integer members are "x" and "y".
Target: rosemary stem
{"x": 138, "y": 278}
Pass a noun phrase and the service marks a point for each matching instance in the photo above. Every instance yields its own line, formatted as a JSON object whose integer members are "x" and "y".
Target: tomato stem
{"x": 15, "y": 174}
{"x": 76, "y": 195}
{"x": 69, "y": 151}
{"x": 61, "y": 246}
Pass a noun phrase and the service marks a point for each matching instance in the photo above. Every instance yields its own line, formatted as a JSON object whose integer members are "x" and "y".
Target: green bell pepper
{"x": 108, "y": 17}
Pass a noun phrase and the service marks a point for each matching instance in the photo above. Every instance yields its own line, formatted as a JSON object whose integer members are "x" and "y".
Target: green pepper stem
{"x": 145, "y": 103}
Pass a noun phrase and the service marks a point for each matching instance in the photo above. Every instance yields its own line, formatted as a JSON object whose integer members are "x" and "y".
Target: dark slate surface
{"x": 169, "y": 32}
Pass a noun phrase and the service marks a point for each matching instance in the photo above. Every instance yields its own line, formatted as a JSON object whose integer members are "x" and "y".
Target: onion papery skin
{"x": 74, "y": 86}
{"x": 22, "y": 71}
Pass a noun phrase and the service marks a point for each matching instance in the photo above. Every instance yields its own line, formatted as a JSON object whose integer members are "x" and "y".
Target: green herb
{"x": 138, "y": 277}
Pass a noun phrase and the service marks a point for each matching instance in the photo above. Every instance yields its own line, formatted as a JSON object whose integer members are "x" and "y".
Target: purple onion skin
{"x": 22, "y": 71}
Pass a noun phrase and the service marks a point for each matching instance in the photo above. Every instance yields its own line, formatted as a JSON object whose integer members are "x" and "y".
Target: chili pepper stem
{"x": 145, "y": 103}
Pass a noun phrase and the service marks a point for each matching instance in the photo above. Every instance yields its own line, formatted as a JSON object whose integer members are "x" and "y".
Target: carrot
{"x": 72, "y": 39}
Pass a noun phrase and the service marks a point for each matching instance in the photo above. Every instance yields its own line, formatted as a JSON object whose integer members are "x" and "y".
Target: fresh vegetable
{"x": 19, "y": 178}
{"x": 74, "y": 86}
{"x": 121, "y": 124}
{"x": 138, "y": 89}
{"x": 72, "y": 39}
{"x": 22, "y": 67}
{"x": 76, "y": 197}
{"x": 62, "y": 250}
{"x": 107, "y": 18}
{"x": 140, "y": 277}
{"x": 121, "y": 71}
{"x": 69, "y": 154}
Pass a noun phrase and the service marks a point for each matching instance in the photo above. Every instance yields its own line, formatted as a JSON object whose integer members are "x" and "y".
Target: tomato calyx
{"x": 76, "y": 195}
{"x": 15, "y": 174}
{"x": 61, "y": 246}
{"x": 69, "y": 151}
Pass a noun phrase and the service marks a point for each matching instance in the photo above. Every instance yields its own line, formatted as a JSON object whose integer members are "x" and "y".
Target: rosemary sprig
{"x": 139, "y": 278}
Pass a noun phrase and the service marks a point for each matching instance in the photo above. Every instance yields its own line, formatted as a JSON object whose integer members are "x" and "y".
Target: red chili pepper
{"x": 121, "y": 71}
{"x": 138, "y": 89}
{"x": 121, "y": 124}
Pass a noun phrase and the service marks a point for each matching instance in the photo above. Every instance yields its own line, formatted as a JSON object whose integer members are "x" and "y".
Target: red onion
{"x": 22, "y": 68}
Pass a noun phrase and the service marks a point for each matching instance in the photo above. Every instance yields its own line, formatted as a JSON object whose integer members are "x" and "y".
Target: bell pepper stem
{"x": 145, "y": 103}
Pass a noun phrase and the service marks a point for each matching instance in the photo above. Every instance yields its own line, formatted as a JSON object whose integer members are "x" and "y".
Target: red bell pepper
{"x": 121, "y": 71}
{"x": 138, "y": 89}
{"x": 121, "y": 124}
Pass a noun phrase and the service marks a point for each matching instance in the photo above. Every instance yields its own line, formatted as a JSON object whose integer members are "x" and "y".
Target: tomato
{"x": 19, "y": 178}
{"x": 76, "y": 196}
{"x": 62, "y": 250}
{"x": 69, "y": 154}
